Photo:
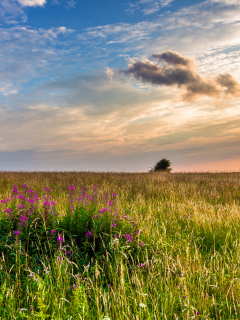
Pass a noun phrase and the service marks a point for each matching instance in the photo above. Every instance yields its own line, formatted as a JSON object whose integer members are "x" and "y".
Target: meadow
{"x": 113, "y": 246}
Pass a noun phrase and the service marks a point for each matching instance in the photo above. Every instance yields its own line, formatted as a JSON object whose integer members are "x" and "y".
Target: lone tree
{"x": 162, "y": 165}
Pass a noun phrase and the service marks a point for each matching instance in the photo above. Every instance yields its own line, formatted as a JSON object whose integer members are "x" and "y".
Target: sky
{"x": 117, "y": 85}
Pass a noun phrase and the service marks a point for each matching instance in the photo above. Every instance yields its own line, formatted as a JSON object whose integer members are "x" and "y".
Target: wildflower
{"x": 72, "y": 207}
{"x": 8, "y": 210}
{"x": 59, "y": 258}
{"x": 108, "y": 285}
{"x": 17, "y": 232}
{"x": 140, "y": 243}
{"x": 88, "y": 233}
{"x": 53, "y": 203}
{"x": 185, "y": 297}
{"x": 52, "y": 231}
{"x": 94, "y": 187}
{"x": 47, "y": 203}
{"x": 90, "y": 199}
{"x": 79, "y": 199}
{"x": 110, "y": 203}
{"x": 197, "y": 312}
{"x": 204, "y": 296}
{"x": 47, "y": 189}
{"x": 23, "y": 218}
{"x": 68, "y": 252}
{"x": 71, "y": 187}
{"x": 60, "y": 239}
{"x": 16, "y": 243}
{"x": 143, "y": 265}
{"x": 21, "y": 206}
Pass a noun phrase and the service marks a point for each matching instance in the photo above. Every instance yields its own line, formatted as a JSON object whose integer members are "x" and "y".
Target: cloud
{"x": 181, "y": 71}
{"x": 32, "y": 3}
{"x": 71, "y": 3}
{"x": 147, "y": 6}
{"x": 109, "y": 73}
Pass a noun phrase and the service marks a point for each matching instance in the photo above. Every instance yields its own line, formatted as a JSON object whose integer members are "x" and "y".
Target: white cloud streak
{"x": 32, "y": 3}
{"x": 147, "y": 6}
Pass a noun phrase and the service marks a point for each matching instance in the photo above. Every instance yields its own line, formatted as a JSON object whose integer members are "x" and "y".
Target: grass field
{"x": 85, "y": 245}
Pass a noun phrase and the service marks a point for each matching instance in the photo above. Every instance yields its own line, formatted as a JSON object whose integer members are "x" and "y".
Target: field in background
{"x": 120, "y": 246}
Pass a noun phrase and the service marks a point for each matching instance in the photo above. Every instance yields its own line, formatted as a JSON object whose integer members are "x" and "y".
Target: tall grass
{"x": 119, "y": 246}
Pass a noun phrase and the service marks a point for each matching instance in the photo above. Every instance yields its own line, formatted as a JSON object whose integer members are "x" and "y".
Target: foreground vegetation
{"x": 119, "y": 246}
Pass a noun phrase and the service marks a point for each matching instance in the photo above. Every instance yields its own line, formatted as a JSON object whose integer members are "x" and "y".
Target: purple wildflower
{"x": 17, "y": 232}
{"x": 68, "y": 252}
{"x": 53, "y": 231}
{"x": 60, "y": 239}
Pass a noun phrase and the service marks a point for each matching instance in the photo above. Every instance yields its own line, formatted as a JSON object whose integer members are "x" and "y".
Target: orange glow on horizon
{"x": 232, "y": 165}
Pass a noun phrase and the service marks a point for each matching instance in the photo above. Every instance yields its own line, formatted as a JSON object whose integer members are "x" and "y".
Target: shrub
{"x": 162, "y": 165}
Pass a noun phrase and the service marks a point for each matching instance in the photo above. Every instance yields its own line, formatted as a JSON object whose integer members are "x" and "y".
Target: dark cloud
{"x": 181, "y": 71}
{"x": 226, "y": 80}
{"x": 172, "y": 57}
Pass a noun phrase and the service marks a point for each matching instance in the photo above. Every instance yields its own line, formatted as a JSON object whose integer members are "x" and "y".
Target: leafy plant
{"x": 162, "y": 165}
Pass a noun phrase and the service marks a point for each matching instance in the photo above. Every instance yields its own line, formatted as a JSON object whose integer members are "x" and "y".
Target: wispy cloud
{"x": 26, "y": 53}
{"x": 147, "y": 6}
{"x": 69, "y": 4}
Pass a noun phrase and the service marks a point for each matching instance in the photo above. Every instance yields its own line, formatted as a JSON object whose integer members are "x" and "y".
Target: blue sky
{"x": 78, "y": 90}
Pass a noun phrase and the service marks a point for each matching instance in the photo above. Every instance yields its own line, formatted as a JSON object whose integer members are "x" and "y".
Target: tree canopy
{"x": 162, "y": 165}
